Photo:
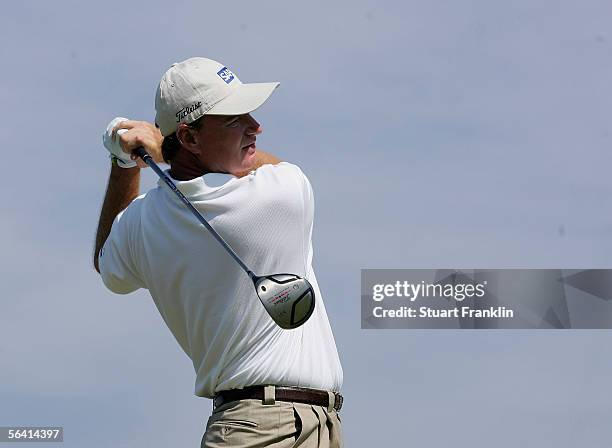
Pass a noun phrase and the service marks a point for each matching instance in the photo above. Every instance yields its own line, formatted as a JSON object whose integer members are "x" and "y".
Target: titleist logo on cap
{"x": 187, "y": 110}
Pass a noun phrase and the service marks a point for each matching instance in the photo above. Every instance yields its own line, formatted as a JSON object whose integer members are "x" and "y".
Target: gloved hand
{"x": 114, "y": 147}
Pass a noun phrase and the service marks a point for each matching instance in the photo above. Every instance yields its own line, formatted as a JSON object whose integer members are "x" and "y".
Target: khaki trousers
{"x": 250, "y": 424}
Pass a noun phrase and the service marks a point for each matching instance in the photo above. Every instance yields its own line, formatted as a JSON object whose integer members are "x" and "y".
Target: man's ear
{"x": 188, "y": 138}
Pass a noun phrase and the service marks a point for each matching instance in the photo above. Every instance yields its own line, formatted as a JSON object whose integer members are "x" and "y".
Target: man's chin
{"x": 249, "y": 154}
{"x": 250, "y": 150}
{"x": 248, "y": 160}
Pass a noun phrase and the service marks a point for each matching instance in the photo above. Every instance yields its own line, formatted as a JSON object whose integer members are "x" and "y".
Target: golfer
{"x": 270, "y": 386}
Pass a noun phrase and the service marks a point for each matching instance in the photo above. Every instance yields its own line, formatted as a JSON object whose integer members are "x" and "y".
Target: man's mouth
{"x": 249, "y": 146}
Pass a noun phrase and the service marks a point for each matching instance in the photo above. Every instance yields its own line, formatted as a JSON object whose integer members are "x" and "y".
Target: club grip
{"x": 140, "y": 152}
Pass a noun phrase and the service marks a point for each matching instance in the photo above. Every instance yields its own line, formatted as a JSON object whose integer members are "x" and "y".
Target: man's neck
{"x": 185, "y": 166}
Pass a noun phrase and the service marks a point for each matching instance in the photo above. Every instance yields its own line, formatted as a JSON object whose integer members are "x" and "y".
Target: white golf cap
{"x": 200, "y": 86}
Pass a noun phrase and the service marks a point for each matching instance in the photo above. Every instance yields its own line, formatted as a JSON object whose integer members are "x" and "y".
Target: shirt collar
{"x": 207, "y": 183}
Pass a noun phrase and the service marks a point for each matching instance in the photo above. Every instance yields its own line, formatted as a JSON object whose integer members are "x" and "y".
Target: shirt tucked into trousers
{"x": 251, "y": 424}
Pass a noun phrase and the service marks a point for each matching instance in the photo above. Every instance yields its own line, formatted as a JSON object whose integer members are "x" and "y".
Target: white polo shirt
{"x": 207, "y": 301}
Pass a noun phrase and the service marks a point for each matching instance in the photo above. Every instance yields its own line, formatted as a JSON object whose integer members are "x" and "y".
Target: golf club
{"x": 288, "y": 298}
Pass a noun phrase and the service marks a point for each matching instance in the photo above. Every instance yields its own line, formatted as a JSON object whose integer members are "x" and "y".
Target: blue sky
{"x": 435, "y": 134}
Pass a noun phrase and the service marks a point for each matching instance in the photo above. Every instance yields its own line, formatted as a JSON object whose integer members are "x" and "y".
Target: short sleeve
{"x": 309, "y": 206}
{"x": 308, "y": 194}
{"x": 116, "y": 262}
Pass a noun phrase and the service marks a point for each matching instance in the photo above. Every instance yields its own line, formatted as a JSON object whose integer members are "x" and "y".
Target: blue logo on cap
{"x": 226, "y": 75}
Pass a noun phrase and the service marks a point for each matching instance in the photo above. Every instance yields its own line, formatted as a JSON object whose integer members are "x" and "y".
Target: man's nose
{"x": 254, "y": 127}
{"x": 253, "y": 131}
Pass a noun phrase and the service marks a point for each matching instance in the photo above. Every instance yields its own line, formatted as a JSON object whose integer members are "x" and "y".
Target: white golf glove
{"x": 116, "y": 151}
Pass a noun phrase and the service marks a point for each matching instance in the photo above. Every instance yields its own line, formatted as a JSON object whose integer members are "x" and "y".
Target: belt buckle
{"x": 338, "y": 403}
{"x": 217, "y": 401}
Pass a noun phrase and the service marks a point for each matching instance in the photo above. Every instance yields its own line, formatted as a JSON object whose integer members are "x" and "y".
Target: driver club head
{"x": 288, "y": 299}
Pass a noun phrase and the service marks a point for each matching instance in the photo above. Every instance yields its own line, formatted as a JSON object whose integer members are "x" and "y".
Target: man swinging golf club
{"x": 270, "y": 386}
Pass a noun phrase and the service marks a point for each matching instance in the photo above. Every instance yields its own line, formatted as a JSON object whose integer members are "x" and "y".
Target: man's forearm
{"x": 123, "y": 187}
{"x": 265, "y": 158}
{"x": 261, "y": 158}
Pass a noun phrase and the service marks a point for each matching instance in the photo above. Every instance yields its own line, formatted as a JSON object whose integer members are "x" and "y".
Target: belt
{"x": 269, "y": 394}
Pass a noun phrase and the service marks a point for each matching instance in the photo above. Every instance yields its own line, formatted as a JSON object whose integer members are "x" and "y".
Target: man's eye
{"x": 234, "y": 123}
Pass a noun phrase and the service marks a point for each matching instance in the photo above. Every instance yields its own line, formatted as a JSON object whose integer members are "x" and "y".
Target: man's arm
{"x": 124, "y": 183}
{"x": 123, "y": 187}
{"x": 261, "y": 158}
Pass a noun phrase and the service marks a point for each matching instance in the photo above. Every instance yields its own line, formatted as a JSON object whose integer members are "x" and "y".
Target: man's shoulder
{"x": 284, "y": 169}
{"x": 282, "y": 182}
{"x": 133, "y": 209}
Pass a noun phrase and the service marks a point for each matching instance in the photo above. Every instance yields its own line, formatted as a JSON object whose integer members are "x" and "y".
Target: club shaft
{"x": 149, "y": 161}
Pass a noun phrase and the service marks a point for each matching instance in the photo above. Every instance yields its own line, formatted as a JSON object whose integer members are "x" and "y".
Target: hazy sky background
{"x": 436, "y": 134}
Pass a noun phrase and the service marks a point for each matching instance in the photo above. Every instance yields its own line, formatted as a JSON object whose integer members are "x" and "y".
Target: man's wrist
{"x": 116, "y": 161}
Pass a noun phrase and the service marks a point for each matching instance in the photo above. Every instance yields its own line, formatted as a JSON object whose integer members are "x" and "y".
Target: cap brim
{"x": 244, "y": 99}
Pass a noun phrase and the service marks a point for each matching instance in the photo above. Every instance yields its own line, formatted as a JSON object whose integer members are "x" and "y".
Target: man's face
{"x": 228, "y": 142}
